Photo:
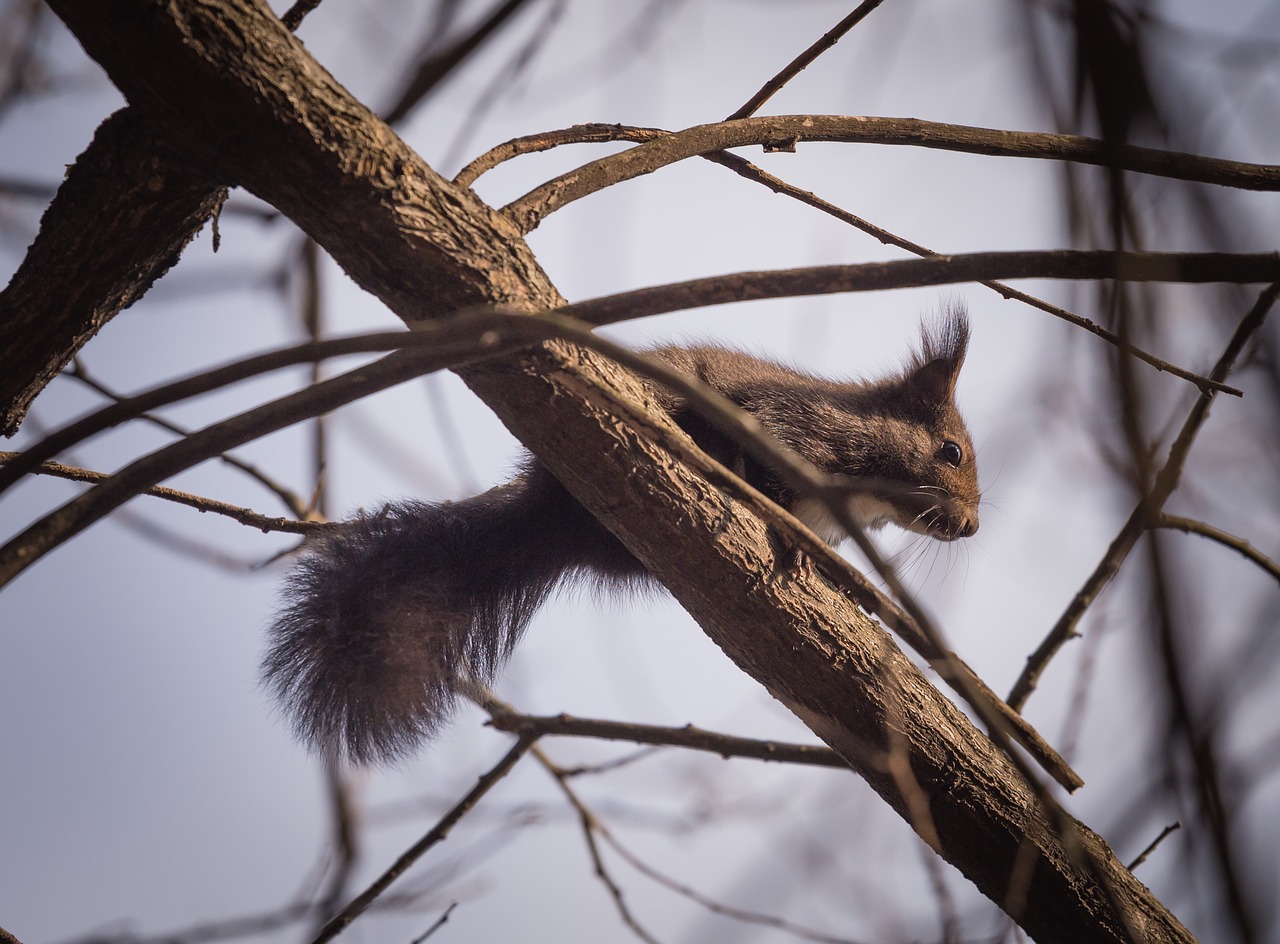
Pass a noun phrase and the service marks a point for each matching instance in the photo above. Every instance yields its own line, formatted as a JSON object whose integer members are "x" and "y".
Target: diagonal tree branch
{"x": 125, "y": 177}
{"x": 230, "y": 84}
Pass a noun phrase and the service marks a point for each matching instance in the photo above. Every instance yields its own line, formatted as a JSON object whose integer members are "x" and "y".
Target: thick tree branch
{"x": 232, "y": 86}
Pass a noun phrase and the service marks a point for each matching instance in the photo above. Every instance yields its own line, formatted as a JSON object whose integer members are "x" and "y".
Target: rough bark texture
{"x": 230, "y": 84}
{"x": 125, "y": 211}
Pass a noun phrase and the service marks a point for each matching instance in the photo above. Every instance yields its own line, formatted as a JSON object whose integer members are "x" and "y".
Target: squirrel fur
{"x": 384, "y": 617}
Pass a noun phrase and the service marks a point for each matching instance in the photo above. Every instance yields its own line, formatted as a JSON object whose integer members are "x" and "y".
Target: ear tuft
{"x": 933, "y": 372}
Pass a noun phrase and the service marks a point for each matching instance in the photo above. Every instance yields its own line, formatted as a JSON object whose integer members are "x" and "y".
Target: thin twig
{"x": 688, "y": 737}
{"x": 802, "y": 61}
{"x": 431, "y": 71}
{"x": 291, "y": 500}
{"x": 439, "y": 923}
{"x": 1145, "y": 853}
{"x": 437, "y": 834}
{"x": 1239, "y": 545}
{"x": 245, "y": 516}
{"x": 1145, "y": 514}
{"x": 592, "y": 825}
{"x": 131, "y": 407}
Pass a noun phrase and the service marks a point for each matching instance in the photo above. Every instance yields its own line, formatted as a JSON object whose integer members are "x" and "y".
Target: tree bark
{"x": 237, "y": 93}
{"x": 122, "y": 216}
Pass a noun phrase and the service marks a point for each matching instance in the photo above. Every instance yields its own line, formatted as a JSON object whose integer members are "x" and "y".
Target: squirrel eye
{"x": 951, "y": 453}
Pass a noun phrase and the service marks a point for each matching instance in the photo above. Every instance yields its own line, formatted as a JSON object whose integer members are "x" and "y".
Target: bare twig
{"x": 430, "y": 71}
{"x": 689, "y": 737}
{"x": 128, "y": 408}
{"x": 592, "y": 825}
{"x": 802, "y": 61}
{"x": 1239, "y": 545}
{"x": 291, "y": 500}
{"x": 437, "y": 834}
{"x": 1146, "y": 853}
{"x": 243, "y": 515}
{"x": 1145, "y": 514}
{"x": 436, "y": 925}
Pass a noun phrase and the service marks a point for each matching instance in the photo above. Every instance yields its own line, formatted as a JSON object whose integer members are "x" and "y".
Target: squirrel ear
{"x": 932, "y": 377}
{"x": 935, "y": 381}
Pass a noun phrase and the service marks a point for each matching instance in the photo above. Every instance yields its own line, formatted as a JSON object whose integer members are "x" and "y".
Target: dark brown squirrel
{"x": 386, "y": 616}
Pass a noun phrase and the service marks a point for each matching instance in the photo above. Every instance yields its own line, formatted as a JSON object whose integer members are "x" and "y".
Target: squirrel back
{"x": 384, "y": 617}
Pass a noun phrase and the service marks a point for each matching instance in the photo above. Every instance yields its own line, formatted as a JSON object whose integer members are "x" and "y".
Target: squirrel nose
{"x": 959, "y": 525}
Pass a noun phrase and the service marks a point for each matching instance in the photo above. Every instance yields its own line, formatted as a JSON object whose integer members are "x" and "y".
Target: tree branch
{"x": 805, "y": 59}
{"x": 233, "y": 87}
{"x": 1239, "y": 545}
{"x": 199, "y": 503}
{"x": 689, "y": 737}
{"x": 1145, "y": 514}
{"x": 126, "y": 178}
{"x": 784, "y": 132}
{"x": 438, "y": 833}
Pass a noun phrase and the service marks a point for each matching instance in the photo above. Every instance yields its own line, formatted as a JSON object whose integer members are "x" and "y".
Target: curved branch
{"x": 290, "y": 499}
{"x": 598, "y": 133}
{"x": 128, "y": 408}
{"x": 1239, "y": 545}
{"x": 786, "y": 131}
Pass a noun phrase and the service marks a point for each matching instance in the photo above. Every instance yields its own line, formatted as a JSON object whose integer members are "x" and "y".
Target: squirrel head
{"x": 901, "y": 442}
{"x": 921, "y": 449}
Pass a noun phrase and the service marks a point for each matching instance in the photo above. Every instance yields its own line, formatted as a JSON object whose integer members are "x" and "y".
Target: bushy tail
{"x": 385, "y": 615}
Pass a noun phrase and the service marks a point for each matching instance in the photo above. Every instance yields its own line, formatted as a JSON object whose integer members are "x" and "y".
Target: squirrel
{"x": 386, "y": 616}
